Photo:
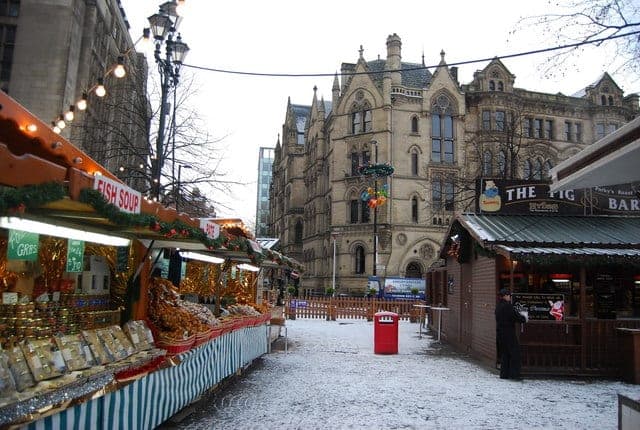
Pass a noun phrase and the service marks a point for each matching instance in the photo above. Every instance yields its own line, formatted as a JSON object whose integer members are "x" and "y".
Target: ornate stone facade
{"x": 438, "y": 135}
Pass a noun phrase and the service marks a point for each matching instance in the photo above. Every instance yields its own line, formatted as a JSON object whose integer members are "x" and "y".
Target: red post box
{"x": 385, "y": 333}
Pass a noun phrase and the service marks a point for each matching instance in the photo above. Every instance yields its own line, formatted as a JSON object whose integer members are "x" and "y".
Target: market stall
{"x": 571, "y": 259}
{"x": 93, "y": 334}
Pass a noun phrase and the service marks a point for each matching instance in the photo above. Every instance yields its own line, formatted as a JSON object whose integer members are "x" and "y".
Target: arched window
{"x": 526, "y": 171}
{"x": 442, "y": 136}
{"x": 414, "y": 163}
{"x": 366, "y": 214}
{"x": 546, "y": 169}
{"x": 610, "y": 100}
{"x": 356, "y": 122}
{"x": 487, "y": 163}
{"x": 604, "y": 100}
{"x": 492, "y": 86}
{"x": 502, "y": 163}
{"x": 414, "y": 209}
{"x": 414, "y": 124}
{"x": 359, "y": 260}
{"x": 298, "y": 232}
{"x": 500, "y": 86}
{"x": 413, "y": 271}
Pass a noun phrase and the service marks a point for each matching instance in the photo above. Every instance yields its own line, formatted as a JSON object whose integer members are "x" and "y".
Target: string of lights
{"x": 119, "y": 70}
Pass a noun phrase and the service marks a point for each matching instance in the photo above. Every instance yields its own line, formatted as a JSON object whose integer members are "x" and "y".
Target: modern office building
{"x": 265, "y": 163}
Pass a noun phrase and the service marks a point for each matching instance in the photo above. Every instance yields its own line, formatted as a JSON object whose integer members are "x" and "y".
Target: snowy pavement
{"x": 331, "y": 379}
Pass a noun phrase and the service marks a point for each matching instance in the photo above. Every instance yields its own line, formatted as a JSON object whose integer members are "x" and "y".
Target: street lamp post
{"x": 178, "y": 191}
{"x": 164, "y": 26}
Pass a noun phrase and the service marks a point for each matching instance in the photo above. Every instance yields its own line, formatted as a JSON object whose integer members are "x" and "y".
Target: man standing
{"x": 506, "y": 339}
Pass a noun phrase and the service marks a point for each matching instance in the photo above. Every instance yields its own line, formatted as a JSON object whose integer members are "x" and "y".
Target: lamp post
{"x": 334, "y": 236}
{"x": 177, "y": 191}
{"x": 164, "y": 26}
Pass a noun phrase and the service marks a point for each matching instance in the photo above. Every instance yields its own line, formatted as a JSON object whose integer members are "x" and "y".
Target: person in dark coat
{"x": 506, "y": 339}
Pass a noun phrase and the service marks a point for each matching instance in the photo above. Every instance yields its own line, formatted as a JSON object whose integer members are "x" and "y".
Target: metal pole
{"x": 163, "y": 65}
{"x": 333, "y": 283}
{"x": 375, "y": 216}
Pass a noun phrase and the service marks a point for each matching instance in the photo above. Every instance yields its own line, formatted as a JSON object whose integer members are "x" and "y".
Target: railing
{"x": 349, "y": 307}
{"x": 556, "y": 347}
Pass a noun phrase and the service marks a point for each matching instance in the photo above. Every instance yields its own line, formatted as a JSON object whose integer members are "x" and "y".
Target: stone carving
{"x": 426, "y": 252}
{"x": 401, "y": 239}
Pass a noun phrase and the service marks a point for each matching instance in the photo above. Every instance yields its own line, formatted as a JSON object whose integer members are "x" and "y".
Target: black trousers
{"x": 509, "y": 356}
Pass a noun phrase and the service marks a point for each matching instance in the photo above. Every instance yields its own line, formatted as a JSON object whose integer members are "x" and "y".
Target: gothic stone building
{"x": 439, "y": 136}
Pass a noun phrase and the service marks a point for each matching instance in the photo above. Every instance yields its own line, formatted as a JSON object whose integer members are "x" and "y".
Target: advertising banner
{"x": 23, "y": 245}
{"x": 540, "y": 306}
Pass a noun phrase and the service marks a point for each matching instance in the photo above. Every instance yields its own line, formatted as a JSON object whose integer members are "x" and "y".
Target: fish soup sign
{"x": 118, "y": 194}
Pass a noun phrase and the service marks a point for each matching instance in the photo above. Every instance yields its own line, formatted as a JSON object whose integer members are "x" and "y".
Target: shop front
{"x": 93, "y": 334}
{"x": 577, "y": 275}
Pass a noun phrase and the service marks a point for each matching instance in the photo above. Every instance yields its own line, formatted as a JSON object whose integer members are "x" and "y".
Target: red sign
{"x": 118, "y": 194}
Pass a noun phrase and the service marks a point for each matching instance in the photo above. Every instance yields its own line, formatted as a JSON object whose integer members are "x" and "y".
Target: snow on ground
{"x": 331, "y": 379}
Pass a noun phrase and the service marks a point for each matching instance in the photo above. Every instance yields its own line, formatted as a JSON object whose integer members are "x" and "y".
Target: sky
{"x": 330, "y": 378}
{"x": 290, "y": 37}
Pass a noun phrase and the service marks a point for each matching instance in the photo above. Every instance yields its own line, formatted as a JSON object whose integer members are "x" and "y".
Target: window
{"x": 298, "y": 232}
{"x": 500, "y": 86}
{"x": 578, "y": 132}
{"x": 492, "y": 86}
{"x": 502, "y": 163}
{"x": 7, "y": 44}
{"x": 414, "y": 163}
{"x": 600, "y": 130}
{"x": 359, "y": 265}
{"x": 365, "y": 211}
{"x": 356, "y": 122}
{"x": 414, "y": 209}
{"x": 414, "y": 124}
{"x": 526, "y": 173}
{"x": 526, "y": 127}
{"x": 442, "y": 194}
{"x": 487, "y": 163}
{"x": 361, "y": 120}
{"x": 610, "y": 100}
{"x": 442, "y": 138}
{"x": 546, "y": 168}
{"x": 353, "y": 212}
{"x": 486, "y": 120}
{"x": 548, "y": 129}
{"x": 9, "y": 7}
{"x": 568, "y": 135}
{"x": 537, "y": 169}
{"x": 537, "y": 128}
{"x": 611, "y": 128}
{"x": 603, "y": 100}
{"x": 355, "y": 164}
{"x": 500, "y": 120}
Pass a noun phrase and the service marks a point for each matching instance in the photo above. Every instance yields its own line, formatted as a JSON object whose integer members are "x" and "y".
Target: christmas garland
{"x": 17, "y": 200}
{"x": 377, "y": 170}
{"x": 21, "y": 199}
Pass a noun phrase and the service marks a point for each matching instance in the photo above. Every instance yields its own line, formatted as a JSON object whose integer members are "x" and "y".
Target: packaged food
{"x": 124, "y": 341}
{"x": 140, "y": 334}
{"x": 101, "y": 355}
{"x": 44, "y": 358}
{"x": 7, "y": 383}
{"x": 75, "y": 351}
{"x": 19, "y": 368}
{"x": 111, "y": 344}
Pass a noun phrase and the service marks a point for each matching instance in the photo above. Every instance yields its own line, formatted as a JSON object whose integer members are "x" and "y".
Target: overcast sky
{"x": 295, "y": 37}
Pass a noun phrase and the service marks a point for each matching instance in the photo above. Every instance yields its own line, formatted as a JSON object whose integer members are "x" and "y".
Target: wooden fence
{"x": 333, "y": 308}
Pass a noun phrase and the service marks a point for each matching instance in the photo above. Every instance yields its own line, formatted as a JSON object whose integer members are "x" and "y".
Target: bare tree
{"x": 614, "y": 24}
{"x": 120, "y": 132}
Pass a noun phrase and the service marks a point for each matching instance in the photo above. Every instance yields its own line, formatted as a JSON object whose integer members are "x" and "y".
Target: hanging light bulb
{"x": 181, "y": 7}
{"x": 100, "y": 90}
{"x": 82, "y": 103}
{"x": 60, "y": 123}
{"x": 55, "y": 128}
{"x": 69, "y": 115}
{"x": 119, "y": 71}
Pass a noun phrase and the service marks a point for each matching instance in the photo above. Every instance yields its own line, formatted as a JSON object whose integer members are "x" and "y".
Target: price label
{"x": 75, "y": 255}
